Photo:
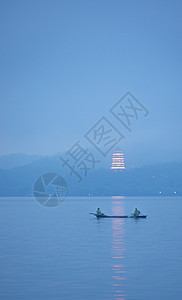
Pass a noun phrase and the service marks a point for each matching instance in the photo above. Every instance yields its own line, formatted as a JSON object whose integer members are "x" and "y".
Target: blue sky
{"x": 65, "y": 63}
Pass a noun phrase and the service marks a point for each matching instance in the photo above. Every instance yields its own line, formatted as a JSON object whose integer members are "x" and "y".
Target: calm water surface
{"x": 65, "y": 253}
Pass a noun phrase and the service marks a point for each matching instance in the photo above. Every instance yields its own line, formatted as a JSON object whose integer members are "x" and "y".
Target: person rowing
{"x": 136, "y": 213}
{"x": 99, "y": 213}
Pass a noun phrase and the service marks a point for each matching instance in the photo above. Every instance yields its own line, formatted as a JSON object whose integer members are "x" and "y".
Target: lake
{"x": 65, "y": 253}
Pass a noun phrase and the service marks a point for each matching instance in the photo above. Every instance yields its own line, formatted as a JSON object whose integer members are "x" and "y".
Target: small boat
{"x": 138, "y": 217}
{"x": 106, "y": 216}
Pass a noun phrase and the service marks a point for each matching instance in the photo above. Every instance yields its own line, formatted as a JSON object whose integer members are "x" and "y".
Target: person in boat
{"x": 98, "y": 212}
{"x": 136, "y": 213}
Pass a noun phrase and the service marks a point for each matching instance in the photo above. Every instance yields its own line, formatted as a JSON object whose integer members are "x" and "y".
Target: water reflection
{"x": 118, "y": 251}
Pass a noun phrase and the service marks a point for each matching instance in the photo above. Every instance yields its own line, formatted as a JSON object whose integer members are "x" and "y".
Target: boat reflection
{"x": 118, "y": 250}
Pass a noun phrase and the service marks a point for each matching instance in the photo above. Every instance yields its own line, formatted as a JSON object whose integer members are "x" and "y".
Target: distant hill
{"x": 19, "y": 181}
{"x": 17, "y": 159}
{"x": 160, "y": 179}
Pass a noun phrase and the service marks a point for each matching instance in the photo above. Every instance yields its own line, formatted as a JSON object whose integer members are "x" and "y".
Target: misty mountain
{"x": 19, "y": 181}
{"x": 17, "y": 159}
{"x": 160, "y": 179}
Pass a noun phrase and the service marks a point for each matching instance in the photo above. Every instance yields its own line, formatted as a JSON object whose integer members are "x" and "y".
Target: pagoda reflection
{"x": 118, "y": 251}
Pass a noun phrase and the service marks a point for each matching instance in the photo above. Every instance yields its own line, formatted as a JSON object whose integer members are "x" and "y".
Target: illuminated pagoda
{"x": 118, "y": 161}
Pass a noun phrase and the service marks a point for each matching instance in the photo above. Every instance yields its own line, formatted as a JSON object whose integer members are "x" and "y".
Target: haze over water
{"x": 94, "y": 75}
{"x": 65, "y": 253}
